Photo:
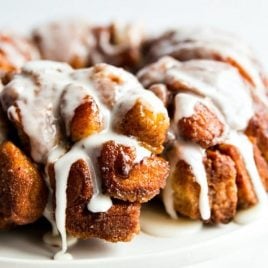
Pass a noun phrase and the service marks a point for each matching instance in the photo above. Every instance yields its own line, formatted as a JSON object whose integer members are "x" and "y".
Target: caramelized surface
{"x": 23, "y": 193}
{"x": 126, "y": 180}
{"x": 203, "y": 127}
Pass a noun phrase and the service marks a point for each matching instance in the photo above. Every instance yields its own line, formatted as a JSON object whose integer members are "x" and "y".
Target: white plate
{"x": 24, "y": 247}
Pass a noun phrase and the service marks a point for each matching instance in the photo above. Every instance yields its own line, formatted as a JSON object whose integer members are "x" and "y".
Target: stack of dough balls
{"x": 95, "y": 120}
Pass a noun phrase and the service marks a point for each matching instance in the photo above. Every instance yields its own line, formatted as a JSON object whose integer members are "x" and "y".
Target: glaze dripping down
{"x": 47, "y": 94}
{"x": 220, "y": 89}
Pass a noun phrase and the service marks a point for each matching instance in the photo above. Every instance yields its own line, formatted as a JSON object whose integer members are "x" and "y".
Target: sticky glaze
{"x": 221, "y": 89}
{"x": 48, "y": 92}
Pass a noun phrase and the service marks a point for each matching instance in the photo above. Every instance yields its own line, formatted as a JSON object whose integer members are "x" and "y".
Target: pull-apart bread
{"x": 217, "y": 145}
{"x": 93, "y": 131}
{"x": 86, "y": 145}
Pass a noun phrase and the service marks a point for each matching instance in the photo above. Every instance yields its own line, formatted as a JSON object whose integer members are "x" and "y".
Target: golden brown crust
{"x": 119, "y": 223}
{"x": 141, "y": 183}
{"x": 203, "y": 127}
{"x": 258, "y": 127}
{"x": 246, "y": 193}
{"x": 125, "y": 180}
{"x": 148, "y": 127}
{"x": 221, "y": 174}
{"x": 23, "y": 193}
{"x": 86, "y": 120}
{"x": 79, "y": 186}
{"x": 186, "y": 191}
{"x": 261, "y": 164}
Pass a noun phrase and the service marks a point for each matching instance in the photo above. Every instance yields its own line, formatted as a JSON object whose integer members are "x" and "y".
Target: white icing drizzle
{"x": 208, "y": 42}
{"x": 237, "y": 114}
{"x": 63, "y": 256}
{"x": 217, "y": 81}
{"x": 38, "y": 103}
{"x": 58, "y": 77}
{"x": 225, "y": 93}
{"x": 242, "y": 142}
{"x": 246, "y": 150}
{"x": 72, "y": 97}
{"x": 44, "y": 91}
{"x": 62, "y": 168}
{"x": 167, "y": 193}
{"x": 220, "y": 83}
{"x": 48, "y": 213}
{"x": 185, "y": 104}
{"x": 88, "y": 150}
{"x": 154, "y": 221}
{"x": 55, "y": 240}
{"x": 193, "y": 155}
{"x": 167, "y": 196}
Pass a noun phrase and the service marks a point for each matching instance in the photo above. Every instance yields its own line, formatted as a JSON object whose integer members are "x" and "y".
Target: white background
{"x": 247, "y": 18}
